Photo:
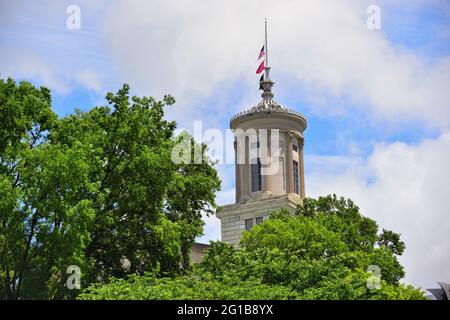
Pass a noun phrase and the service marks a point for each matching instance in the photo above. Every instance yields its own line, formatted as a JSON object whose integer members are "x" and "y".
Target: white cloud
{"x": 405, "y": 188}
{"x": 193, "y": 49}
{"x": 37, "y": 46}
{"x": 212, "y": 223}
{"x": 20, "y": 64}
{"x": 88, "y": 79}
{"x": 226, "y": 196}
{"x": 211, "y": 230}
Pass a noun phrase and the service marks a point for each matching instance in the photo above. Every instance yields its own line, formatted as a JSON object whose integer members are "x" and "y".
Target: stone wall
{"x": 233, "y": 216}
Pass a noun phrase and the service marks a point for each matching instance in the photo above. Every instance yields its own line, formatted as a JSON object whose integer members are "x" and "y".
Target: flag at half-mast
{"x": 261, "y": 53}
{"x": 260, "y": 68}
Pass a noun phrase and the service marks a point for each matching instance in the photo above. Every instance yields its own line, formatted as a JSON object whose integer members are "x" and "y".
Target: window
{"x": 295, "y": 148}
{"x": 256, "y": 176}
{"x": 296, "y": 177}
{"x": 259, "y": 220}
{"x": 248, "y": 224}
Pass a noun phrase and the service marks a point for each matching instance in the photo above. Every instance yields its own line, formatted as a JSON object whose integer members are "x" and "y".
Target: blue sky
{"x": 377, "y": 102}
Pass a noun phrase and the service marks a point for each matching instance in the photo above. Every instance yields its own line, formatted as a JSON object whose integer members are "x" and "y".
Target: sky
{"x": 377, "y": 101}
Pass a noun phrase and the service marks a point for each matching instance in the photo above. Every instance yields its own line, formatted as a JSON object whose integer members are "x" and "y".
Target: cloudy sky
{"x": 377, "y": 101}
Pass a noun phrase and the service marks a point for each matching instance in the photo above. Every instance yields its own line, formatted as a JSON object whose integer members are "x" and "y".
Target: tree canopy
{"x": 94, "y": 189}
{"x": 324, "y": 251}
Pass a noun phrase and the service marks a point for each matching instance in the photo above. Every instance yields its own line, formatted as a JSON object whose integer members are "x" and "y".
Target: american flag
{"x": 261, "y": 53}
{"x": 260, "y": 68}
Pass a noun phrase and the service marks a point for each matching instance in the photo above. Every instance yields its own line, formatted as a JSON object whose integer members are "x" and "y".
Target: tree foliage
{"x": 186, "y": 287}
{"x": 95, "y": 189}
{"x": 323, "y": 251}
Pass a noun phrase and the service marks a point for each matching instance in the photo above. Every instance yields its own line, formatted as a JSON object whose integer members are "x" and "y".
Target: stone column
{"x": 238, "y": 168}
{"x": 301, "y": 169}
{"x": 267, "y": 179}
{"x": 246, "y": 168}
{"x": 289, "y": 164}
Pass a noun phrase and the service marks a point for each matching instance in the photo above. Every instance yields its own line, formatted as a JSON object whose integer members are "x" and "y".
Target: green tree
{"x": 96, "y": 189}
{"x": 25, "y": 120}
{"x": 323, "y": 251}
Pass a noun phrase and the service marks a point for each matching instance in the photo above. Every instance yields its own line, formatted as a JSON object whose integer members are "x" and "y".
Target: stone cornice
{"x": 268, "y": 106}
{"x": 291, "y": 200}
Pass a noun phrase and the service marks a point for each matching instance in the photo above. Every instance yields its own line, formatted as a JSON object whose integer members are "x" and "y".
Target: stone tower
{"x": 269, "y": 163}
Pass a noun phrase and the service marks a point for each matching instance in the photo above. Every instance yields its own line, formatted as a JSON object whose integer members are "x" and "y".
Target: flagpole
{"x": 267, "y": 53}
